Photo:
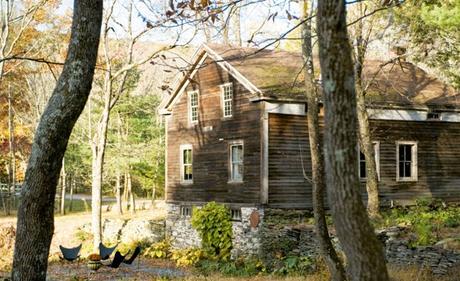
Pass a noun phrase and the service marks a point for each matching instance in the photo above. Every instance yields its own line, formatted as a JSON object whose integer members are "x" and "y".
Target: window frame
{"x": 185, "y": 211}
{"x": 414, "y": 162}
{"x": 377, "y": 160}
{"x": 236, "y": 214}
{"x": 190, "y": 107}
{"x": 184, "y": 147}
{"x": 230, "y": 161}
{"x": 223, "y": 100}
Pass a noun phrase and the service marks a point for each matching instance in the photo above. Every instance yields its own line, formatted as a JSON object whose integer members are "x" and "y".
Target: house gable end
{"x": 199, "y": 59}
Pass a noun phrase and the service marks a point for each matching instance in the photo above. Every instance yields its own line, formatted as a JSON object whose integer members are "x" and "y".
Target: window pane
{"x": 187, "y": 172}
{"x": 361, "y": 156}
{"x": 236, "y": 162}
{"x": 237, "y": 153}
{"x": 408, "y": 152}
{"x": 407, "y": 169}
{"x": 362, "y": 169}
{"x": 401, "y": 152}
{"x": 237, "y": 172}
{"x": 187, "y": 156}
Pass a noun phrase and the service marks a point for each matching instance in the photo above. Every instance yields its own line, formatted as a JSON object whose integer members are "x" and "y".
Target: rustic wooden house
{"x": 237, "y": 133}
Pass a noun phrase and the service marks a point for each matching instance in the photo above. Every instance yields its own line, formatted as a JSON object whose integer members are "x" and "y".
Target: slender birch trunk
{"x": 72, "y": 186}
{"x": 236, "y": 23}
{"x": 63, "y": 186}
{"x": 132, "y": 201}
{"x": 118, "y": 192}
{"x": 327, "y": 250}
{"x": 367, "y": 147}
{"x": 12, "y": 155}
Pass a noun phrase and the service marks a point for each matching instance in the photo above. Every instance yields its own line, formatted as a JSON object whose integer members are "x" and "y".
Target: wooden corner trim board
{"x": 198, "y": 59}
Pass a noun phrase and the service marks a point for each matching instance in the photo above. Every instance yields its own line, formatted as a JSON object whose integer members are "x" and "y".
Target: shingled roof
{"x": 279, "y": 76}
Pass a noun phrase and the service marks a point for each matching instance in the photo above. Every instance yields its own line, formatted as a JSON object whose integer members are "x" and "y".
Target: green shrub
{"x": 213, "y": 223}
{"x": 426, "y": 219}
{"x": 159, "y": 250}
{"x": 295, "y": 265}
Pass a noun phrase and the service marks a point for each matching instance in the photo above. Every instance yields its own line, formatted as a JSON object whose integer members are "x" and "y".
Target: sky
{"x": 253, "y": 18}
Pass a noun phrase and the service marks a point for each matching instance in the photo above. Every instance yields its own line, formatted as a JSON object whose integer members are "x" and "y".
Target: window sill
{"x": 235, "y": 182}
{"x": 365, "y": 179}
{"x": 406, "y": 180}
{"x": 186, "y": 182}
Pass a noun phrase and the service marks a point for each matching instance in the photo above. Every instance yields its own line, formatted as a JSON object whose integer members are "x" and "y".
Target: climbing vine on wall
{"x": 213, "y": 223}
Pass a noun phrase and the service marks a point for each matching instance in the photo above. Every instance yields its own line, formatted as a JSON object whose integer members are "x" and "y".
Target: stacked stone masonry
{"x": 284, "y": 233}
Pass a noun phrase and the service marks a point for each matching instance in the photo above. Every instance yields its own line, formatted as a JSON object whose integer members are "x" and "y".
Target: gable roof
{"x": 278, "y": 76}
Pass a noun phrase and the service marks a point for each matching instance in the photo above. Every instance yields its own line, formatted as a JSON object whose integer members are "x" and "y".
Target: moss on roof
{"x": 279, "y": 75}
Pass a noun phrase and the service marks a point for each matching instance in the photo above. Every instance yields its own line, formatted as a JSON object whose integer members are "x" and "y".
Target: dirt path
{"x": 66, "y": 226}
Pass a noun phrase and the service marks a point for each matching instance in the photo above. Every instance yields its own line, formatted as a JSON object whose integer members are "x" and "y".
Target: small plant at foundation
{"x": 187, "y": 257}
{"x": 159, "y": 250}
{"x": 213, "y": 223}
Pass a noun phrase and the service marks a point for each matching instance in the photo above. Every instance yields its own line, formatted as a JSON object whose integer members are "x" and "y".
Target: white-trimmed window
{"x": 185, "y": 211}
{"x": 362, "y": 161}
{"x": 406, "y": 161}
{"x": 236, "y": 161}
{"x": 193, "y": 106}
{"x": 227, "y": 99}
{"x": 186, "y": 163}
{"x": 235, "y": 214}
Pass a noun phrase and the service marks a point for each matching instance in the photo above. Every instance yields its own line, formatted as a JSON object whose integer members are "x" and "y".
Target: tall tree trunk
{"x": 363, "y": 250}
{"x": 118, "y": 192}
{"x": 225, "y": 29}
{"x": 35, "y": 223}
{"x": 12, "y": 155}
{"x": 125, "y": 191}
{"x": 236, "y": 23}
{"x": 63, "y": 188}
{"x": 367, "y": 147}
{"x": 72, "y": 186}
{"x": 98, "y": 153}
{"x": 328, "y": 252}
{"x": 132, "y": 202}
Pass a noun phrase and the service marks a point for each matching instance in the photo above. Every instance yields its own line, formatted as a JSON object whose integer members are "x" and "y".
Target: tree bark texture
{"x": 63, "y": 187}
{"x": 12, "y": 155}
{"x": 367, "y": 147}
{"x": 118, "y": 192}
{"x": 132, "y": 202}
{"x": 36, "y": 213}
{"x": 327, "y": 250}
{"x": 363, "y": 250}
{"x": 236, "y": 20}
{"x": 72, "y": 186}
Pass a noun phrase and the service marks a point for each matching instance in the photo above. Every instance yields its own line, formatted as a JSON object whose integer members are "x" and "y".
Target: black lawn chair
{"x": 137, "y": 251}
{"x": 105, "y": 252}
{"x": 70, "y": 254}
{"x": 117, "y": 260}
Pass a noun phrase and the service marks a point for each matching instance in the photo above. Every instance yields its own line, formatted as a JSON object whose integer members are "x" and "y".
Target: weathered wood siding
{"x": 438, "y": 146}
{"x": 289, "y": 158}
{"x": 210, "y": 146}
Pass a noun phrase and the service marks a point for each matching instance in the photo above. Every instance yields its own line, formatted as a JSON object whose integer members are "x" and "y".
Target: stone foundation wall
{"x": 280, "y": 233}
{"x": 179, "y": 229}
{"x": 246, "y": 238}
